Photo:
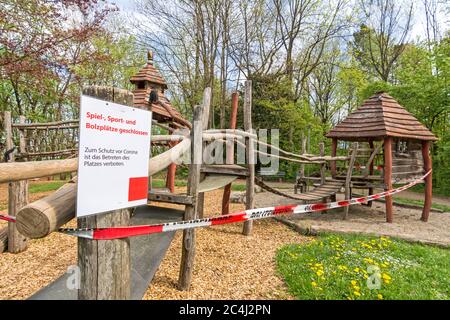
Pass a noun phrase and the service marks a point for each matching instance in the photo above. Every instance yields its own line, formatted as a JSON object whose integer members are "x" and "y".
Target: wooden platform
{"x": 225, "y": 169}
{"x": 147, "y": 253}
{"x": 330, "y": 188}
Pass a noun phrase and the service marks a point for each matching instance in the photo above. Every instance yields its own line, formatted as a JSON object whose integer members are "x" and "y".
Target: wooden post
{"x": 188, "y": 245}
{"x": 17, "y": 191}
{"x": 369, "y": 203}
{"x": 230, "y": 152}
{"x": 171, "y": 172}
{"x": 322, "y": 166}
{"x": 250, "y": 151}
{"x": 333, "y": 154}
{"x": 302, "y": 172}
{"x": 348, "y": 178}
{"x": 206, "y": 105}
{"x": 105, "y": 264}
{"x": 427, "y": 165}
{"x": 387, "y": 151}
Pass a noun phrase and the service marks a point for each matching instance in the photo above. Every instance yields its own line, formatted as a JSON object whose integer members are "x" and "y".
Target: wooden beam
{"x": 45, "y": 125}
{"x": 191, "y": 212}
{"x": 35, "y": 169}
{"x": 105, "y": 265}
{"x": 250, "y": 155}
{"x": 25, "y": 155}
{"x": 233, "y": 170}
{"x": 230, "y": 152}
{"x": 387, "y": 151}
{"x": 44, "y": 216}
{"x": 427, "y": 166}
{"x": 170, "y": 198}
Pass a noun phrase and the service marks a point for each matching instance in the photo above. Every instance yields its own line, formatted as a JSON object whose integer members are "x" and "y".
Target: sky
{"x": 418, "y": 23}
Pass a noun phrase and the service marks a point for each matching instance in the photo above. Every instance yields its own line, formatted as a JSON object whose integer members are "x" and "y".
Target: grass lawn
{"x": 45, "y": 186}
{"x": 420, "y": 188}
{"x": 357, "y": 267}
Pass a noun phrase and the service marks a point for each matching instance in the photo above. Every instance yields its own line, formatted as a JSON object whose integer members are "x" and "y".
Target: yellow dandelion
{"x": 356, "y": 269}
{"x": 385, "y": 276}
{"x": 354, "y": 282}
{"x": 380, "y": 296}
{"x": 314, "y": 284}
{"x": 356, "y": 293}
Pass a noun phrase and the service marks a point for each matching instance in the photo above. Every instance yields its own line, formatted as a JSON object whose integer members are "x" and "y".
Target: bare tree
{"x": 255, "y": 39}
{"x": 323, "y": 85}
{"x": 432, "y": 10}
{"x": 384, "y": 34}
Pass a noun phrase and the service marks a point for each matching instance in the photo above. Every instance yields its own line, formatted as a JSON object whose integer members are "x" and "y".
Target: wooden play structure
{"x": 123, "y": 269}
{"x": 390, "y": 146}
{"x": 117, "y": 269}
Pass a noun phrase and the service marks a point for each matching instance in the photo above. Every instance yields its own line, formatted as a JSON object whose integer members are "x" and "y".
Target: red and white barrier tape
{"x": 7, "y": 218}
{"x": 246, "y": 215}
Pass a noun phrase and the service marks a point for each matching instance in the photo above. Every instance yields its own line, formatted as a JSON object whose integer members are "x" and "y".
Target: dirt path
{"x": 362, "y": 219}
{"x": 438, "y": 199}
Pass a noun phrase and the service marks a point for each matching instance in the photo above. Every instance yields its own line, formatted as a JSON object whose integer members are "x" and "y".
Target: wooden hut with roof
{"x": 149, "y": 79}
{"x": 149, "y": 94}
{"x": 405, "y": 143}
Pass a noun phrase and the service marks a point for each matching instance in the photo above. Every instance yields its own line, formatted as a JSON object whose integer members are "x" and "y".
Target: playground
{"x": 224, "y": 150}
{"x": 132, "y": 254}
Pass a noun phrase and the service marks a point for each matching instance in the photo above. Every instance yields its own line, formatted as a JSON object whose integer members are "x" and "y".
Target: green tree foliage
{"x": 50, "y": 50}
{"x": 274, "y": 108}
{"x": 422, "y": 84}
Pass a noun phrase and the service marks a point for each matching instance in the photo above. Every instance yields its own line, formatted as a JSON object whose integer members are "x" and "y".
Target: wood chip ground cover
{"x": 228, "y": 265}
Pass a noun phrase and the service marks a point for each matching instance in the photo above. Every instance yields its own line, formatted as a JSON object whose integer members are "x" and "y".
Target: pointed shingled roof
{"x": 378, "y": 117}
{"x": 149, "y": 73}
